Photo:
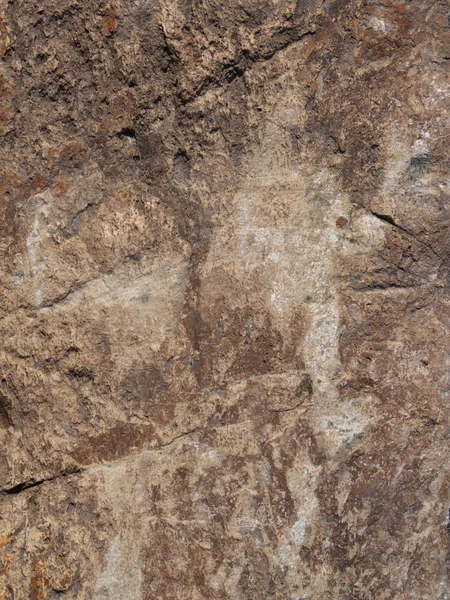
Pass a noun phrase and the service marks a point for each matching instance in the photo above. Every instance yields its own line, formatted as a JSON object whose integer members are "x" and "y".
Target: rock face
{"x": 225, "y": 293}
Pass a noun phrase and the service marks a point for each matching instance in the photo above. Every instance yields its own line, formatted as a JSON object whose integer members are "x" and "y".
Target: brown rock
{"x": 224, "y": 300}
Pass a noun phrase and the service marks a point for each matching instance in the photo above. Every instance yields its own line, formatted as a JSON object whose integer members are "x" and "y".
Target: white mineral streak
{"x": 33, "y": 242}
{"x": 121, "y": 578}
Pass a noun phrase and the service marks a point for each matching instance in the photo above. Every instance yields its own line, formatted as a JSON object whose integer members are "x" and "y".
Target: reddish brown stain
{"x": 5, "y": 563}
{"x": 36, "y": 185}
{"x": 341, "y": 222}
{"x": 114, "y": 444}
{"x": 108, "y": 23}
{"x": 39, "y": 581}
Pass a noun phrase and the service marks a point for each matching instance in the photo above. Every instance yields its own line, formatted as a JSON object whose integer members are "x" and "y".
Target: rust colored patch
{"x": 5, "y": 563}
{"x": 9, "y": 183}
{"x": 341, "y": 222}
{"x": 108, "y": 23}
{"x": 36, "y": 185}
{"x": 39, "y": 581}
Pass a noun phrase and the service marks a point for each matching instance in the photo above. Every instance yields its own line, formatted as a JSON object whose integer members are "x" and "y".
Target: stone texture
{"x": 225, "y": 284}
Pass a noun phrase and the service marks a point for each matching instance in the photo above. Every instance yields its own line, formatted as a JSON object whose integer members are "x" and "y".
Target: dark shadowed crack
{"x": 389, "y": 219}
{"x": 26, "y": 485}
{"x": 286, "y": 410}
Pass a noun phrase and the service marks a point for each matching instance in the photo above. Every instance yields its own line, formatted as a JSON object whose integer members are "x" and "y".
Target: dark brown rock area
{"x": 225, "y": 300}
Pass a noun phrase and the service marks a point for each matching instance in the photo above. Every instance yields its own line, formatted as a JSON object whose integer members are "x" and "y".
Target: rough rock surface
{"x": 225, "y": 293}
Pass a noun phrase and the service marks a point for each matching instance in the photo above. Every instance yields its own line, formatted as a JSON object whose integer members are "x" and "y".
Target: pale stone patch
{"x": 34, "y": 242}
{"x": 121, "y": 578}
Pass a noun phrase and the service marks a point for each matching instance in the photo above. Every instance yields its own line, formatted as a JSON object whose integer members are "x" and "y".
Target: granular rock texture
{"x": 225, "y": 300}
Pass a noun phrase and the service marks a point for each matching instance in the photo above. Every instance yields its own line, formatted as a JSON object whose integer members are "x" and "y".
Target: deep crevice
{"x": 128, "y": 132}
{"x": 388, "y": 219}
{"x": 26, "y": 485}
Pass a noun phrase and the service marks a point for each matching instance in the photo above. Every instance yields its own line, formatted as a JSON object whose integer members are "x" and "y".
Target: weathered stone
{"x": 225, "y": 300}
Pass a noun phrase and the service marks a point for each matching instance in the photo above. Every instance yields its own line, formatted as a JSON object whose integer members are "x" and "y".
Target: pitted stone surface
{"x": 225, "y": 283}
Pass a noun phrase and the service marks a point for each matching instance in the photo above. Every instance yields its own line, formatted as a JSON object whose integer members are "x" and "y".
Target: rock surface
{"x": 225, "y": 293}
